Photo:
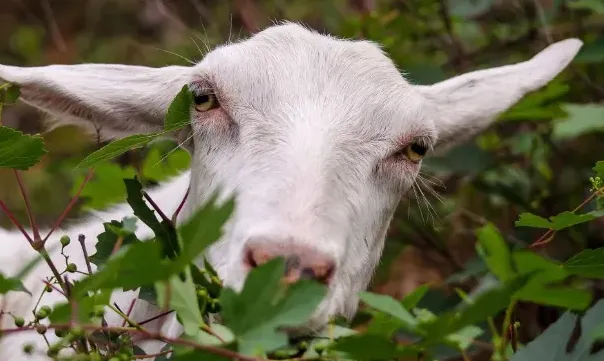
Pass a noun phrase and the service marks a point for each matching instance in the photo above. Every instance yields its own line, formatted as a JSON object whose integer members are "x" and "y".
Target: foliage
{"x": 528, "y": 183}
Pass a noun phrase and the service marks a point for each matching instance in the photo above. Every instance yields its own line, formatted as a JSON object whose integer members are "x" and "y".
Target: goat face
{"x": 317, "y": 138}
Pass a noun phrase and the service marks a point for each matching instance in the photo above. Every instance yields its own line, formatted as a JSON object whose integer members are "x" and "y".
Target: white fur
{"x": 303, "y": 140}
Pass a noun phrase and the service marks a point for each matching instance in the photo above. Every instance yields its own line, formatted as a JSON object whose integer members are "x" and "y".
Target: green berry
{"x": 65, "y": 240}
{"x": 28, "y": 348}
{"x": 41, "y": 314}
{"x": 46, "y": 309}
{"x": 41, "y": 329}
{"x": 51, "y": 352}
{"x": 124, "y": 357}
{"x": 77, "y": 331}
{"x": 99, "y": 311}
{"x": 19, "y": 321}
{"x": 71, "y": 268}
{"x": 60, "y": 333}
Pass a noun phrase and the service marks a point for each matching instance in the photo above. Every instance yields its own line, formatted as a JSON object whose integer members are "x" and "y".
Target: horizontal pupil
{"x": 419, "y": 149}
{"x": 200, "y": 99}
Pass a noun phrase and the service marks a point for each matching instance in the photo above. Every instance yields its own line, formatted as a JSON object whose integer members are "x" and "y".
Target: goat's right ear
{"x": 117, "y": 100}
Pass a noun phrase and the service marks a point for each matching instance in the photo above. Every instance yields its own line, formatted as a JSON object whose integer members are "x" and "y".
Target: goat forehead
{"x": 292, "y": 76}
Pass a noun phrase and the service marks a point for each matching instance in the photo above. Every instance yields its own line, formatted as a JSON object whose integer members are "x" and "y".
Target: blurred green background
{"x": 537, "y": 158}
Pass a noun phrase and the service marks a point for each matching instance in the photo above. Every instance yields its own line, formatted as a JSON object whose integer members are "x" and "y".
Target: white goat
{"x": 317, "y": 137}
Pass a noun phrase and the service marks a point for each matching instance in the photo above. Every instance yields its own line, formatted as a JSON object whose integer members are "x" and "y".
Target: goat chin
{"x": 15, "y": 253}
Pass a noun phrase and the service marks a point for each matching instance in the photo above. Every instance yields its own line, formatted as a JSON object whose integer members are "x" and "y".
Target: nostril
{"x": 300, "y": 262}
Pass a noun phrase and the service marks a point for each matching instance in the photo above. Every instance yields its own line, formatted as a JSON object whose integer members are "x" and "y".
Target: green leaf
{"x": 9, "y": 93}
{"x": 117, "y": 148}
{"x": 495, "y": 252}
{"x": 413, "y": 298}
{"x": 599, "y": 169}
{"x": 592, "y": 52}
{"x": 164, "y": 231}
{"x": 179, "y": 112}
{"x": 183, "y": 300}
{"x": 588, "y": 263}
{"x": 107, "y": 240}
{"x": 558, "y": 222}
{"x": 551, "y": 345}
{"x": 159, "y": 166}
{"x": 546, "y": 285}
{"x": 129, "y": 267}
{"x": 582, "y": 119}
{"x": 106, "y": 186}
{"x": 18, "y": 150}
{"x": 62, "y": 313}
{"x": 372, "y": 347}
{"x": 533, "y": 220}
{"x": 256, "y": 314}
{"x": 485, "y": 305}
{"x": 389, "y": 306}
{"x": 596, "y": 6}
{"x": 8, "y": 284}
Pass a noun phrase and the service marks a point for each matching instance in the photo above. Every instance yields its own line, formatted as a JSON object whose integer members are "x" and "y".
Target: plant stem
{"x": 30, "y": 215}
{"x": 10, "y": 215}
{"x": 180, "y": 206}
{"x": 125, "y": 317}
{"x": 549, "y": 235}
{"x": 82, "y": 240}
{"x": 506, "y": 324}
{"x": 54, "y": 270}
{"x": 157, "y": 209}
{"x": 70, "y": 205}
{"x": 148, "y": 335}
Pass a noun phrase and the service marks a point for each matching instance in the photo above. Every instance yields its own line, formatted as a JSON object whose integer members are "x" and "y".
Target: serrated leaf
{"x": 183, "y": 300}
{"x": 129, "y": 267}
{"x": 532, "y": 220}
{"x": 178, "y": 115}
{"x": 366, "y": 347}
{"x": 105, "y": 188}
{"x": 495, "y": 252}
{"x": 107, "y": 240}
{"x": 588, "y": 263}
{"x": 164, "y": 231}
{"x": 388, "y": 305}
{"x": 256, "y": 315}
{"x": 557, "y": 222}
{"x": 18, "y": 150}
{"x": 546, "y": 285}
{"x": 551, "y": 345}
{"x": 62, "y": 313}
{"x": 117, "y": 148}
{"x": 8, "y": 284}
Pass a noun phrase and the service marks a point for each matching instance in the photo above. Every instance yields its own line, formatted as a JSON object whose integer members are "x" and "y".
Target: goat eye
{"x": 415, "y": 151}
{"x": 205, "y": 102}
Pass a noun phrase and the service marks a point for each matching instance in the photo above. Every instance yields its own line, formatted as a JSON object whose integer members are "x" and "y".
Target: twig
{"x": 549, "y": 235}
{"x": 53, "y": 287}
{"x": 148, "y": 335}
{"x": 10, "y": 215}
{"x": 209, "y": 330}
{"x": 180, "y": 206}
{"x": 32, "y": 220}
{"x": 117, "y": 245}
{"x": 71, "y": 204}
{"x": 130, "y": 308}
{"x": 156, "y": 207}
{"x": 54, "y": 270}
{"x": 155, "y": 317}
{"x": 82, "y": 240}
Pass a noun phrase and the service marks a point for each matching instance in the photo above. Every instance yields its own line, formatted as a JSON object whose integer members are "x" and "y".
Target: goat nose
{"x": 300, "y": 262}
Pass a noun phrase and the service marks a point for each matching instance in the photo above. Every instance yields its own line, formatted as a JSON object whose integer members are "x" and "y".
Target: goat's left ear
{"x": 117, "y": 100}
{"x": 464, "y": 105}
